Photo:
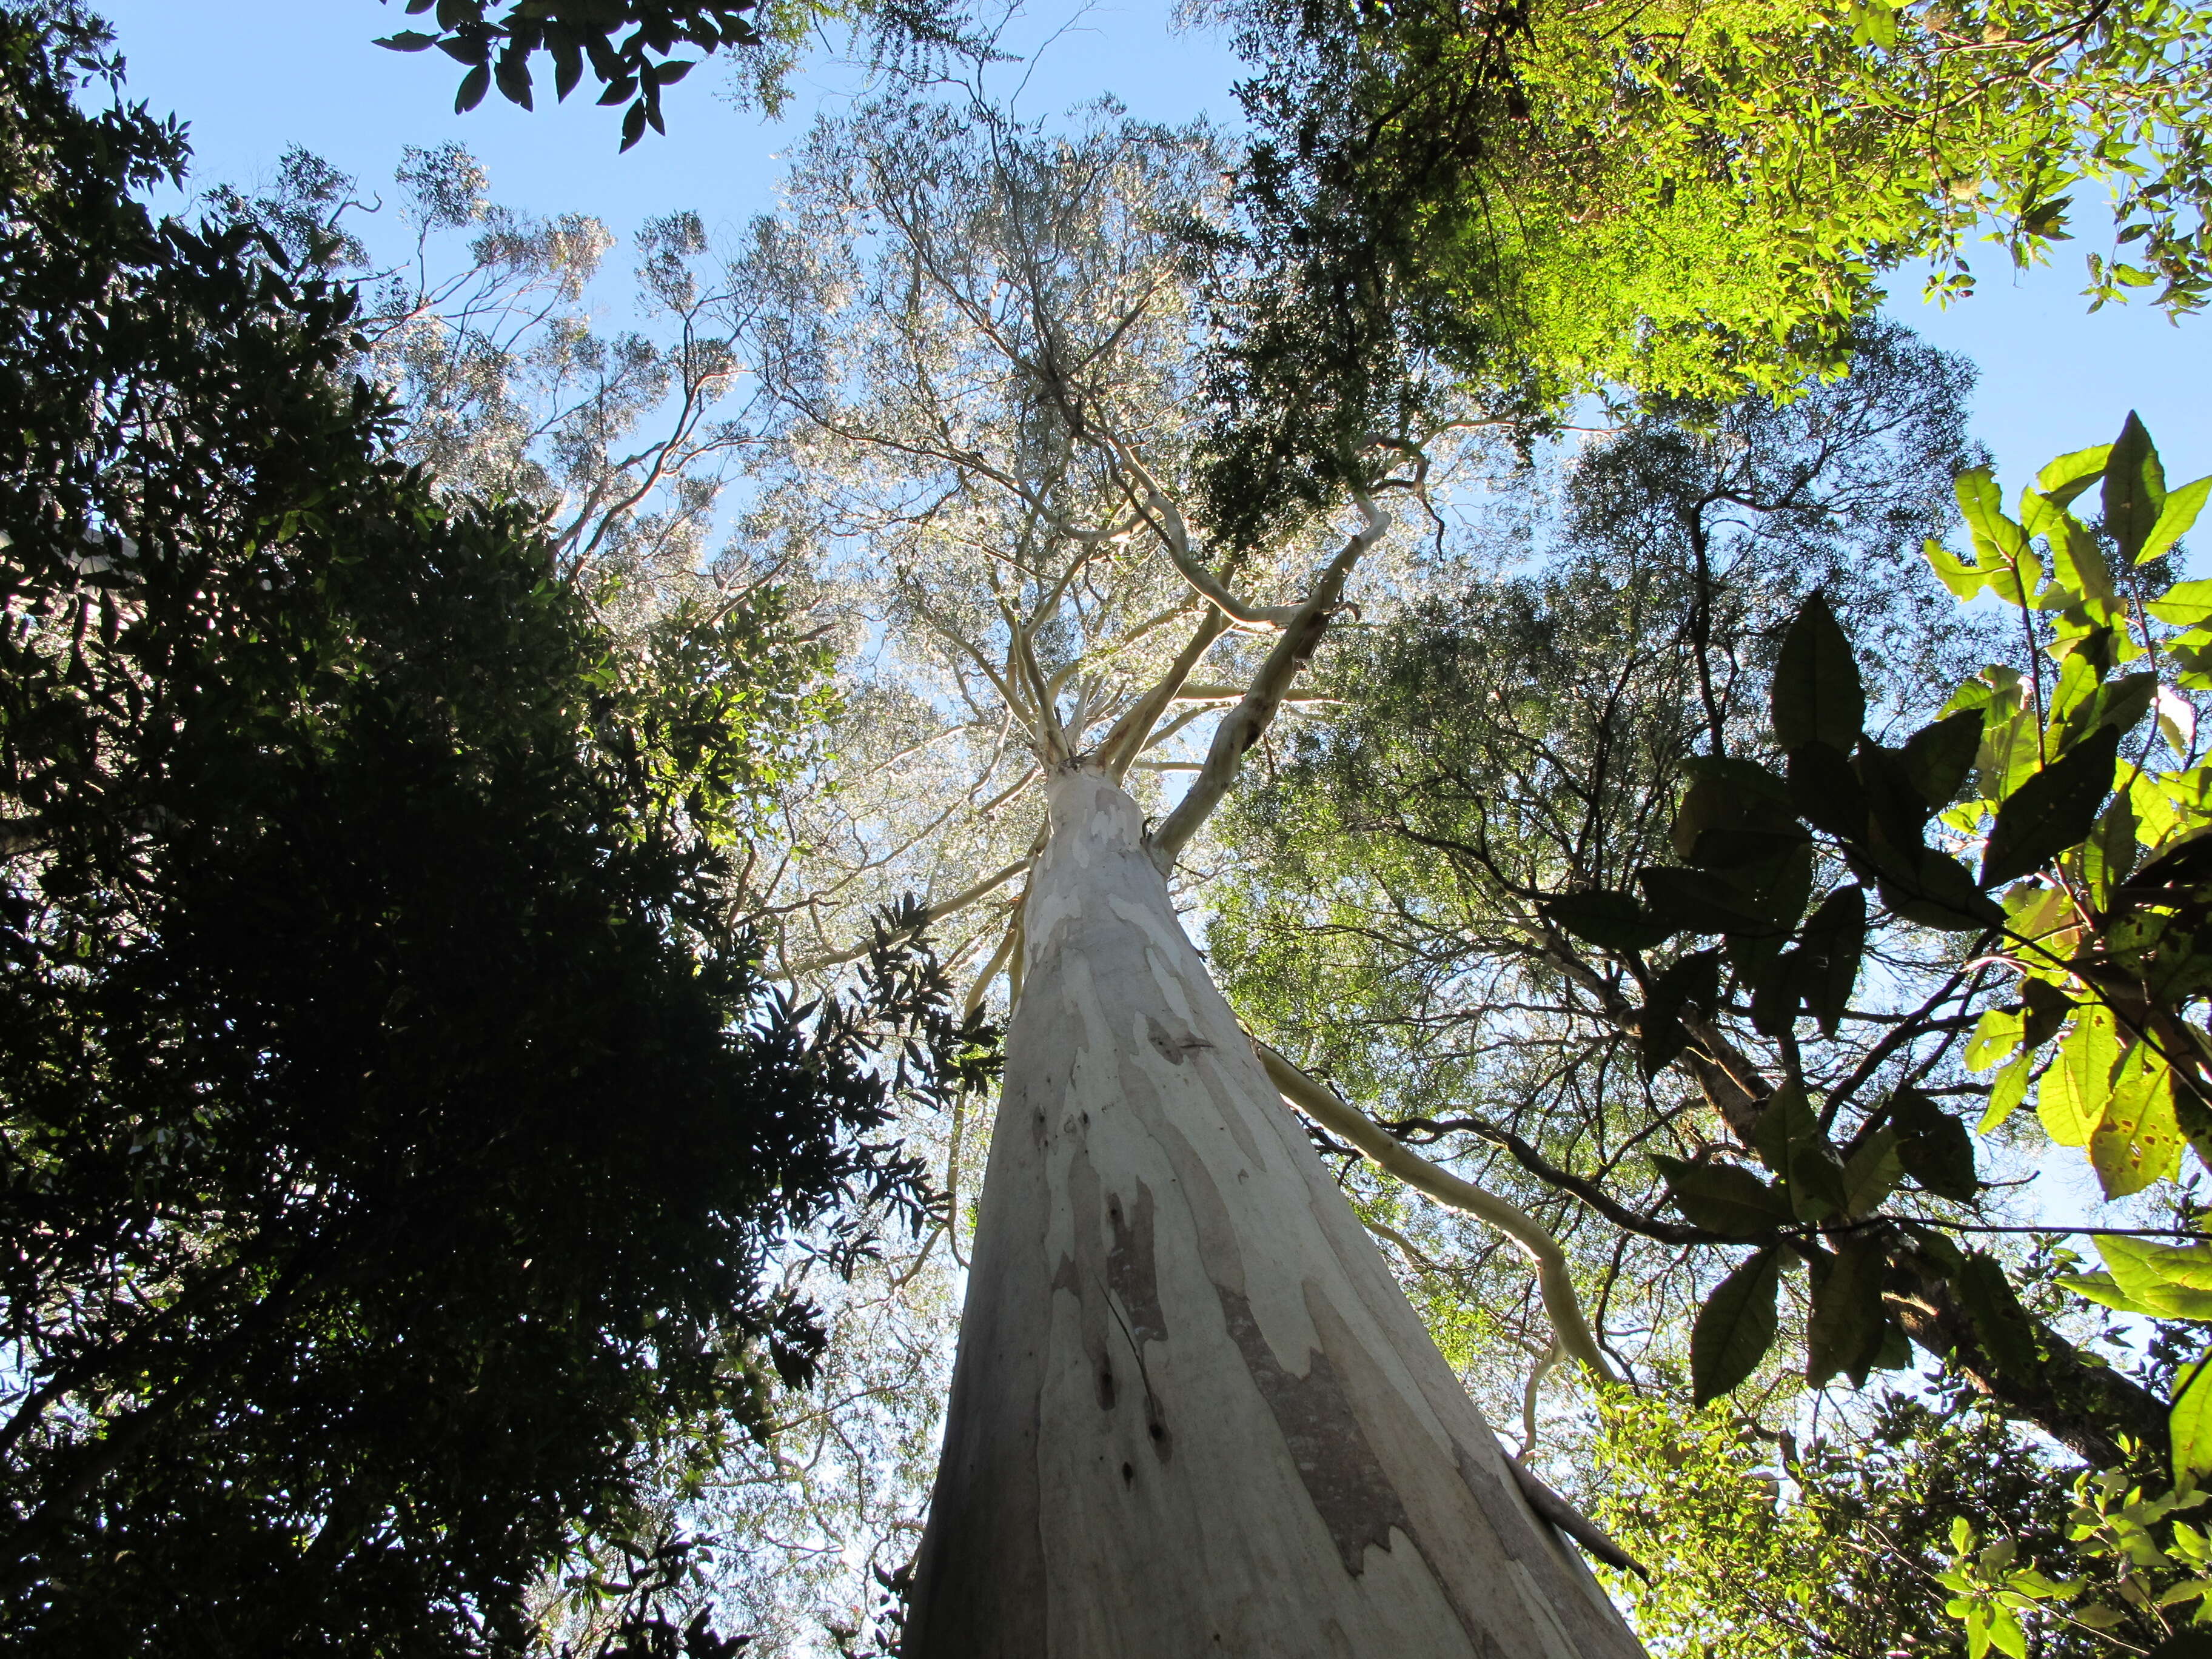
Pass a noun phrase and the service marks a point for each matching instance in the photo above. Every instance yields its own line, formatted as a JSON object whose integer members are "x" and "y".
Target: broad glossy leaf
{"x": 1934, "y": 1147}
{"x": 2180, "y": 864}
{"x": 1938, "y": 757}
{"x": 1996, "y": 1034}
{"x": 2011, "y": 752}
{"x": 2120, "y": 704}
{"x": 2049, "y": 1006}
{"x": 1995, "y": 691}
{"x": 2071, "y": 475}
{"x": 2109, "y": 854}
{"x": 2052, "y": 811}
{"x": 1835, "y": 939}
{"x": 1735, "y": 1328}
{"x": 2077, "y": 562}
{"x": 2175, "y": 519}
{"x": 1898, "y": 811}
{"x": 2078, "y": 677}
{"x": 1703, "y": 902}
{"x": 1872, "y": 1173}
{"x": 2009, "y": 564}
{"x": 1730, "y": 849}
{"x": 1724, "y": 1198}
{"x": 1825, "y": 791}
{"x": 2008, "y": 1091}
{"x": 1964, "y": 579}
{"x": 1691, "y": 979}
{"x": 1613, "y": 921}
{"x": 2139, "y": 1141}
{"x": 2135, "y": 488}
{"x": 1845, "y": 1331}
{"x": 2150, "y": 1271}
{"x": 1817, "y": 697}
{"x": 1784, "y": 1123}
{"x": 1991, "y": 1305}
{"x": 1942, "y": 894}
{"x": 2104, "y": 1289}
{"x": 1816, "y": 1186}
{"x": 1727, "y": 795}
{"x": 2079, "y": 1084}
{"x": 2185, "y": 605}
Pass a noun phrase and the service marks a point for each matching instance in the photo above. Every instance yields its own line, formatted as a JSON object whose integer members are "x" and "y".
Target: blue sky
{"x": 250, "y": 76}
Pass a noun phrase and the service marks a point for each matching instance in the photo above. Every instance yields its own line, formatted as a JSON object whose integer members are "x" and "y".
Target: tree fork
{"x": 1193, "y": 1413}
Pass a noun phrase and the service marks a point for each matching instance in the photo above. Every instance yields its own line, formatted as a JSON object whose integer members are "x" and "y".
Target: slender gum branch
{"x": 1129, "y": 733}
{"x": 1242, "y": 725}
{"x": 959, "y": 901}
{"x": 1322, "y": 1104}
{"x": 1175, "y": 536}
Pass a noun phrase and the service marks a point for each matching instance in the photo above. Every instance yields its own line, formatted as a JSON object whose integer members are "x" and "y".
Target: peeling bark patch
{"x": 1342, "y": 1476}
{"x": 1172, "y": 1047}
{"x": 1129, "y": 1267}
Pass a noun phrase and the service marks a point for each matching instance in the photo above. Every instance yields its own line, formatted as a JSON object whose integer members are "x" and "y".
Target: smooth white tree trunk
{"x": 1192, "y": 1412}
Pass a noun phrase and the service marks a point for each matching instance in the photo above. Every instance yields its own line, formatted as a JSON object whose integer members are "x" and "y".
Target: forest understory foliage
{"x": 518, "y": 825}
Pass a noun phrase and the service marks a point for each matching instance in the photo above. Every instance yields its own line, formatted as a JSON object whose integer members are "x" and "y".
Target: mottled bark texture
{"x": 1192, "y": 1415}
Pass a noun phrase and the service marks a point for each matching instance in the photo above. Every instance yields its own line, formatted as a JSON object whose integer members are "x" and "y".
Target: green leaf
{"x": 1996, "y": 1034}
{"x": 1872, "y": 1173}
{"x": 2000, "y": 1323}
{"x": 2069, "y": 476}
{"x": 1964, "y": 580}
{"x": 1816, "y": 1183}
{"x": 1613, "y": 921}
{"x": 1941, "y": 894}
{"x": 1735, "y": 1328}
{"x": 2190, "y": 1421}
{"x": 406, "y": 40}
{"x": 2185, "y": 605}
{"x": 2005, "y": 1633}
{"x": 2139, "y": 1139}
{"x": 2172, "y": 1281}
{"x": 2120, "y": 704}
{"x": 2008, "y": 1091}
{"x": 473, "y": 87}
{"x": 1817, "y": 697}
{"x": 1938, "y": 757}
{"x": 2135, "y": 488}
{"x": 2009, "y": 565}
{"x": 1786, "y": 1123}
{"x": 2077, "y": 562}
{"x": 2079, "y": 1083}
{"x": 1835, "y": 937}
{"x": 1934, "y": 1147}
{"x": 2104, "y": 1289}
{"x": 1845, "y": 1331}
{"x": 2175, "y": 519}
{"x": 1827, "y": 793}
{"x": 1724, "y": 1198}
{"x": 1703, "y": 902}
{"x": 2053, "y": 811}
{"x": 2109, "y": 854}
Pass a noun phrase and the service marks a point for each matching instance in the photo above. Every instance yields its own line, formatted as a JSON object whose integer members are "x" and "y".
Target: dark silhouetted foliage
{"x": 395, "y": 1128}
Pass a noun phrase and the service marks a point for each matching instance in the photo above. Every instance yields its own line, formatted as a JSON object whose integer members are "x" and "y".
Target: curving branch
{"x": 936, "y": 913}
{"x": 1322, "y": 1104}
{"x": 1242, "y": 726}
{"x": 1174, "y": 533}
{"x": 1127, "y": 736}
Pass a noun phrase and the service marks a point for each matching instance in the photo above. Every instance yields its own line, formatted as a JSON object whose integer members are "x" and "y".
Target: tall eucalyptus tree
{"x": 1191, "y": 1410}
